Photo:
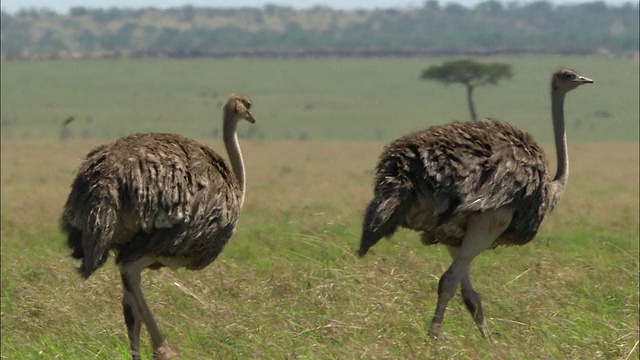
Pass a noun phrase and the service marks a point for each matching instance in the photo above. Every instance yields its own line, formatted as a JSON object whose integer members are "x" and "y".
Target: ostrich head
{"x": 565, "y": 80}
{"x": 237, "y": 107}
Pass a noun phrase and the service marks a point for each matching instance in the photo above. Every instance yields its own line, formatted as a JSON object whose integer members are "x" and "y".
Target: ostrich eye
{"x": 247, "y": 104}
{"x": 566, "y": 76}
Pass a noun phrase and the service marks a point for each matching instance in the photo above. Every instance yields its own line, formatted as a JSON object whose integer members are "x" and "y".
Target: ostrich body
{"x": 156, "y": 200}
{"x": 470, "y": 186}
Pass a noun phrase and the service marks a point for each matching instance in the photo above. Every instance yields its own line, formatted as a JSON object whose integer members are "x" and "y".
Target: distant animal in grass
{"x": 156, "y": 200}
{"x": 68, "y": 121}
{"x": 470, "y": 186}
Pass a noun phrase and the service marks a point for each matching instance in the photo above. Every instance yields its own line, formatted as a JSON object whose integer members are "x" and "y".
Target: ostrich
{"x": 156, "y": 200}
{"x": 470, "y": 186}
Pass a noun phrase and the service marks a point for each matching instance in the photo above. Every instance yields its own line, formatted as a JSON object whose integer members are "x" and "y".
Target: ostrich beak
{"x": 249, "y": 117}
{"x": 584, "y": 80}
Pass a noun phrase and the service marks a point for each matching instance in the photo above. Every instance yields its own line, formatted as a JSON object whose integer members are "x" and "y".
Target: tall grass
{"x": 288, "y": 286}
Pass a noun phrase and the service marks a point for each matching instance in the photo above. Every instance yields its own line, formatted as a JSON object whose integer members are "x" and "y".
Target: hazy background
{"x": 64, "y": 5}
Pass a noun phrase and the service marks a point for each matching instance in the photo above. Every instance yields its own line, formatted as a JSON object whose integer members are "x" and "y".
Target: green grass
{"x": 288, "y": 285}
{"x": 349, "y": 99}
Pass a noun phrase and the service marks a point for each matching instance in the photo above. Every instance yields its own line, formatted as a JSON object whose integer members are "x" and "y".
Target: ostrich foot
{"x": 434, "y": 333}
{"x": 484, "y": 330}
{"x": 163, "y": 352}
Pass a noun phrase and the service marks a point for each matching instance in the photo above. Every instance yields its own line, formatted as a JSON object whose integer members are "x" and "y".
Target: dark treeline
{"x": 489, "y": 27}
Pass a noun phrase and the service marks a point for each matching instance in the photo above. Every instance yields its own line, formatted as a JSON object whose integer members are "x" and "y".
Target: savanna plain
{"x": 288, "y": 285}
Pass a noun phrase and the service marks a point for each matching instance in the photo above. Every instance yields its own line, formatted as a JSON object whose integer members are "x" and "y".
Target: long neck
{"x": 562, "y": 155}
{"x": 233, "y": 151}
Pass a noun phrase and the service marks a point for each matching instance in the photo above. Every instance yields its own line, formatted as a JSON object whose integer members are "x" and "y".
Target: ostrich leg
{"x": 131, "y": 281}
{"x": 131, "y": 318}
{"x": 482, "y": 230}
{"x": 471, "y": 298}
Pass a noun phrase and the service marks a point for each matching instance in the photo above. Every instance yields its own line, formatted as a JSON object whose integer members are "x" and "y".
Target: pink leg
{"x": 482, "y": 230}
{"x": 472, "y": 299}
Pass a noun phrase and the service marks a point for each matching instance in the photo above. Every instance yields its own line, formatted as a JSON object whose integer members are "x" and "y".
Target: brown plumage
{"x": 155, "y": 200}
{"x": 469, "y": 186}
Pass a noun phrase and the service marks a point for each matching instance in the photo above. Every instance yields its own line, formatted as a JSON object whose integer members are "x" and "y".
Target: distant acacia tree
{"x": 469, "y": 73}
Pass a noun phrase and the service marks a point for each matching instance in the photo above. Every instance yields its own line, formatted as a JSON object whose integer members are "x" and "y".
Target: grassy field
{"x": 361, "y": 99}
{"x": 289, "y": 287}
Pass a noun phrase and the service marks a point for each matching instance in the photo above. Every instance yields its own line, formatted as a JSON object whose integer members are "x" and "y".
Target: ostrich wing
{"x": 476, "y": 167}
{"x": 159, "y": 176}
{"x": 173, "y": 195}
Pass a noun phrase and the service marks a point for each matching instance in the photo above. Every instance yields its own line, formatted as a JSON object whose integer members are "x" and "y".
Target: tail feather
{"x": 382, "y": 218}
{"x": 91, "y": 241}
{"x": 74, "y": 240}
